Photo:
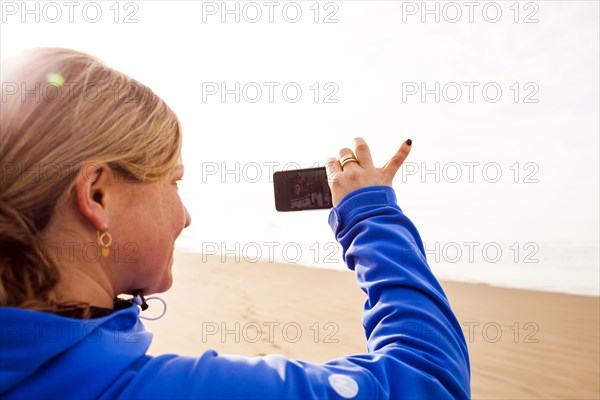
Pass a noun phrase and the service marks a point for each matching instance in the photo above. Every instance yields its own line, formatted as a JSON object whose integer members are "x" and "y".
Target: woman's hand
{"x": 358, "y": 170}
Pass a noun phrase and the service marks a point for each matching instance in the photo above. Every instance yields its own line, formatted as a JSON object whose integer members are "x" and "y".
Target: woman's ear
{"x": 92, "y": 185}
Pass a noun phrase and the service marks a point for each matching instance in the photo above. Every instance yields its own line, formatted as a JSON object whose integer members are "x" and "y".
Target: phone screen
{"x": 302, "y": 189}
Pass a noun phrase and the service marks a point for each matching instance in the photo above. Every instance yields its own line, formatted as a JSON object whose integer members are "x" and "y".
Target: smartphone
{"x": 302, "y": 189}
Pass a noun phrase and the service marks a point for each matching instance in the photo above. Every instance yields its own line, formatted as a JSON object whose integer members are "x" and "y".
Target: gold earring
{"x": 102, "y": 238}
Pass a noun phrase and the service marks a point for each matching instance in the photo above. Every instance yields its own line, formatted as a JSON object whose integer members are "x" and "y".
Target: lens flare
{"x": 55, "y": 78}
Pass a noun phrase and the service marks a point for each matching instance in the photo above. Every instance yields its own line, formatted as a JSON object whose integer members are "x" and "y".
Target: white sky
{"x": 370, "y": 54}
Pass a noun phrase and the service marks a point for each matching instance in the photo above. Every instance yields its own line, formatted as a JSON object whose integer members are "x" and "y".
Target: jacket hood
{"x": 42, "y": 347}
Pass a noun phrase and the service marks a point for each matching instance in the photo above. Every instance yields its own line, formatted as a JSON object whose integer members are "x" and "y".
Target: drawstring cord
{"x": 138, "y": 299}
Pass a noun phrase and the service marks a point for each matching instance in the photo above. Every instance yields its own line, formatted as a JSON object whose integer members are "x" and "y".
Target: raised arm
{"x": 416, "y": 349}
{"x": 411, "y": 330}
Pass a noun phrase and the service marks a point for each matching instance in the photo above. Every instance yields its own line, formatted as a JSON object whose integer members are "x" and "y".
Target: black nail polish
{"x": 409, "y": 142}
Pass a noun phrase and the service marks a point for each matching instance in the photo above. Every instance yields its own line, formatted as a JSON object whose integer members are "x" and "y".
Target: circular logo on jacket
{"x": 344, "y": 385}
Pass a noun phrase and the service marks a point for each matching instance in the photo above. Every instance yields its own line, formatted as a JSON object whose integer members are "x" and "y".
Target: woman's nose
{"x": 188, "y": 218}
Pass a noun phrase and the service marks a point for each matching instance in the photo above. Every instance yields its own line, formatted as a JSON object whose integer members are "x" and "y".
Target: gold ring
{"x": 346, "y": 159}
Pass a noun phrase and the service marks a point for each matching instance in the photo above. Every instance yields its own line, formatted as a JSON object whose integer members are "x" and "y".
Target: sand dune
{"x": 523, "y": 344}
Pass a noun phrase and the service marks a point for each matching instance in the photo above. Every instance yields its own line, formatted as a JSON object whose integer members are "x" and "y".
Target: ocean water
{"x": 499, "y": 240}
{"x": 564, "y": 267}
{"x": 306, "y": 239}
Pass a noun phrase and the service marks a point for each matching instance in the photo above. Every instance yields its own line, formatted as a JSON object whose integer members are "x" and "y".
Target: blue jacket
{"x": 416, "y": 349}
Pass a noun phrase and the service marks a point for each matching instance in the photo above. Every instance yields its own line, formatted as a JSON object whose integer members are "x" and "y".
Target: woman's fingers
{"x": 363, "y": 153}
{"x": 347, "y": 173}
{"x": 345, "y": 151}
{"x": 332, "y": 167}
{"x": 392, "y": 166}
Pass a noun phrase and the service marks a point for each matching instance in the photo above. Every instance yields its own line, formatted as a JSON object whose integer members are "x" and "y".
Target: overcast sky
{"x": 517, "y": 88}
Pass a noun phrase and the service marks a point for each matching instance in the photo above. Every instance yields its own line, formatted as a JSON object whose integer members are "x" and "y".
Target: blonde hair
{"x": 60, "y": 108}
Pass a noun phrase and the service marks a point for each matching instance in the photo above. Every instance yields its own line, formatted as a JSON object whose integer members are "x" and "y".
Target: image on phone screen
{"x": 302, "y": 189}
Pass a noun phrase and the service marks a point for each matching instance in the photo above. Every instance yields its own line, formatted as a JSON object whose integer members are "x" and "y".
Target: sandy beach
{"x": 523, "y": 344}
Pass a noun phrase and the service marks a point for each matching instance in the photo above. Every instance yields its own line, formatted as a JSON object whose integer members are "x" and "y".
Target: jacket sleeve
{"x": 416, "y": 349}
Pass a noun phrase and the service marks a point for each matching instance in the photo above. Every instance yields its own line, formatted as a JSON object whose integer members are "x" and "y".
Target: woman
{"x": 89, "y": 210}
